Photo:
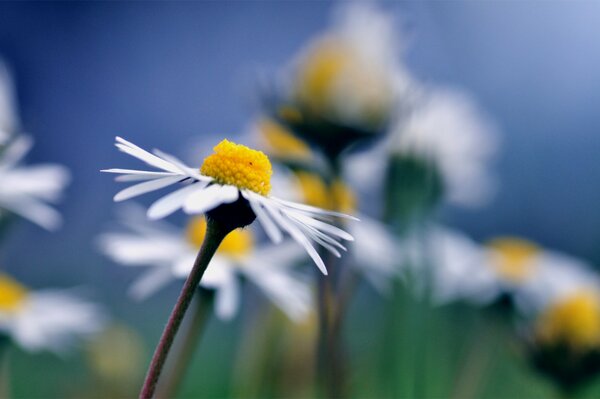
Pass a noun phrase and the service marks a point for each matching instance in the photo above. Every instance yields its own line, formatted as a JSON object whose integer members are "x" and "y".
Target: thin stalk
{"x": 215, "y": 233}
{"x": 473, "y": 370}
{"x": 186, "y": 348}
{"x": 4, "y": 372}
{"x": 330, "y": 349}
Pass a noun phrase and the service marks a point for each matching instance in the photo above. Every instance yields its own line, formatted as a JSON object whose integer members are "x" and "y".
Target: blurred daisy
{"x": 25, "y": 189}
{"x": 343, "y": 86}
{"x": 169, "y": 253}
{"x": 448, "y": 136}
{"x": 232, "y": 184}
{"x": 530, "y": 276}
{"x": 564, "y": 340}
{"x": 47, "y": 319}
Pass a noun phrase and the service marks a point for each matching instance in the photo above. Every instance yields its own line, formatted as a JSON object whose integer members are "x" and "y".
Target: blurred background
{"x": 164, "y": 74}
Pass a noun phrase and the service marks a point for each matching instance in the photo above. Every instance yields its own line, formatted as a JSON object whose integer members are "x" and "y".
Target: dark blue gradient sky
{"x": 161, "y": 74}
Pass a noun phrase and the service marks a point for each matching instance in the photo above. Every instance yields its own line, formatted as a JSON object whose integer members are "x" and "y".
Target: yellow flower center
{"x": 513, "y": 258}
{"x": 338, "y": 197}
{"x": 281, "y": 143}
{"x": 240, "y": 166}
{"x": 236, "y": 244}
{"x": 574, "y": 321}
{"x": 321, "y": 68}
{"x": 334, "y": 76}
{"x": 12, "y": 294}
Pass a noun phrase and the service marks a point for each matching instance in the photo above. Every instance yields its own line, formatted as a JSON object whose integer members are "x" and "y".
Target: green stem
{"x": 186, "y": 348}
{"x": 4, "y": 372}
{"x": 215, "y": 233}
{"x": 475, "y": 365}
{"x": 330, "y": 371}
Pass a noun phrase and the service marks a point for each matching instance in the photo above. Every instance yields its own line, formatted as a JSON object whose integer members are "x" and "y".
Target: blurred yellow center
{"x": 513, "y": 258}
{"x": 334, "y": 77}
{"x": 282, "y": 143}
{"x": 240, "y": 166}
{"x": 338, "y": 197}
{"x": 574, "y": 321}
{"x": 12, "y": 294}
{"x": 320, "y": 70}
{"x": 237, "y": 243}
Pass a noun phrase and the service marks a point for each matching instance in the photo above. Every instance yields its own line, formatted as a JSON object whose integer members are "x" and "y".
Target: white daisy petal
{"x": 150, "y": 282}
{"x": 328, "y": 228}
{"x": 173, "y": 201}
{"x": 16, "y": 150}
{"x": 34, "y": 211}
{"x": 175, "y": 161}
{"x": 297, "y": 235}
{"x": 143, "y": 155}
{"x": 270, "y": 227}
{"x": 227, "y": 299}
{"x": 211, "y": 197}
{"x": 312, "y": 210}
{"x": 128, "y": 175}
{"x": 145, "y": 187}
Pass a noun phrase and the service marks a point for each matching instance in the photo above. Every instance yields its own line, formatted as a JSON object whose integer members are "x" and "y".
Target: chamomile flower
{"x": 25, "y": 189}
{"x": 233, "y": 184}
{"x": 47, "y": 319}
{"x": 344, "y": 85}
{"x": 444, "y": 141}
{"x": 530, "y": 276}
{"x": 169, "y": 253}
{"x": 563, "y": 341}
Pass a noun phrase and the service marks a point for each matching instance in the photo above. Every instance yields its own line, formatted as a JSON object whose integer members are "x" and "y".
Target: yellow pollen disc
{"x": 334, "y": 77}
{"x": 575, "y": 321}
{"x": 338, "y": 197}
{"x": 236, "y": 244}
{"x": 282, "y": 143}
{"x": 240, "y": 166}
{"x": 514, "y": 258}
{"x": 12, "y": 294}
{"x": 320, "y": 70}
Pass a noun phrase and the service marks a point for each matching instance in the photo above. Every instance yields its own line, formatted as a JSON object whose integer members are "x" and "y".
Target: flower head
{"x": 511, "y": 268}
{"x": 564, "y": 340}
{"x": 45, "y": 320}
{"x": 343, "y": 86}
{"x": 234, "y": 189}
{"x": 447, "y": 131}
{"x": 168, "y": 253}
{"x": 573, "y": 321}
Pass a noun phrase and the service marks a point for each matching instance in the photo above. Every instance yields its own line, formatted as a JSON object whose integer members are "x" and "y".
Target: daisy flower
{"x": 563, "y": 341}
{"x": 448, "y": 137}
{"x": 25, "y": 189}
{"x": 233, "y": 185}
{"x": 47, "y": 319}
{"x": 531, "y": 276}
{"x": 344, "y": 84}
{"x": 169, "y": 254}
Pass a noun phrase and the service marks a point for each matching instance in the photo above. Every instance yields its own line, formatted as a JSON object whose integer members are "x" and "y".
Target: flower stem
{"x": 215, "y": 233}
{"x": 330, "y": 372}
{"x": 184, "y": 352}
{"x": 4, "y": 377}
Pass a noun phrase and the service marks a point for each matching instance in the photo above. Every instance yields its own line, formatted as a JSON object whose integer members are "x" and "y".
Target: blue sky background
{"x": 161, "y": 74}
